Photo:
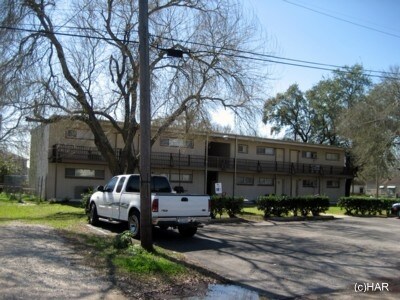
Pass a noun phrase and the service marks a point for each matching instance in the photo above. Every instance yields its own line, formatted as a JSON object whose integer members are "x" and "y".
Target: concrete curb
{"x": 275, "y": 219}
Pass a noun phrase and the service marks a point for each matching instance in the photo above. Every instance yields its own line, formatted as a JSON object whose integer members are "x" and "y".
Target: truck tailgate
{"x": 182, "y": 205}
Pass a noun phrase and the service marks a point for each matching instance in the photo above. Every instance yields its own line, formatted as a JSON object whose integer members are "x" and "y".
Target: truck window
{"x": 111, "y": 184}
{"x": 160, "y": 184}
{"x": 133, "y": 184}
{"x": 120, "y": 184}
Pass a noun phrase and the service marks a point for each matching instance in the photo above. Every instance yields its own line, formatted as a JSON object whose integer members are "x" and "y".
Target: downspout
{"x": 206, "y": 165}
{"x": 235, "y": 167}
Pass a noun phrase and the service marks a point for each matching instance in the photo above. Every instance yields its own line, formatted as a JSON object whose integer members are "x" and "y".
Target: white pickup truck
{"x": 119, "y": 200}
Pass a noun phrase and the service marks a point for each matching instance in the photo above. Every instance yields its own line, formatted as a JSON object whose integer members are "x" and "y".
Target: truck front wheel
{"x": 187, "y": 231}
{"x": 93, "y": 217}
{"x": 134, "y": 224}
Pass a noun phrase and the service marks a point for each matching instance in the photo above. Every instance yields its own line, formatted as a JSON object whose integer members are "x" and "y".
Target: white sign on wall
{"x": 218, "y": 188}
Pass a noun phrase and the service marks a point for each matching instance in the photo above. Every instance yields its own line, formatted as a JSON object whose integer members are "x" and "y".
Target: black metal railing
{"x": 65, "y": 153}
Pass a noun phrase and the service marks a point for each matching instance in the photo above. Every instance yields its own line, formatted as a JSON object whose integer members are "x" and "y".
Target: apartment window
{"x": 84, "y": 173}
{"x": 175, "y": 177}
{"x": 175, "y": 142}
{"x": 243, "y": 148}
{"x": 245, "y": 180}
{"x": 71, "y": 134}
{"x": 307, "y": 183}
{"x": 79, "y": 134}
{"x": 265, "y": 151}
{"x": 332, "y": 156}
{"x": 333, "y": 184}
{"x": 266, "y": 181}
{"x": 309, "y": 154}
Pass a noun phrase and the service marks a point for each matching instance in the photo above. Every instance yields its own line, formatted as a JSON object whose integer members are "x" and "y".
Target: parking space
{"x": 339, "y": 259}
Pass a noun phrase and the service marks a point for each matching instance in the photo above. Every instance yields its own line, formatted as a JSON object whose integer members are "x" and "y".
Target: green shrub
{"x": 318, "y": 204}
{"x": 123, "y": 240}
{"x": 85, "y": 198}
{"x": 282, "y": 205}
{"x": 366, "y": 205}
{"x": 217, "y": 205}
{"x": 231, "y": 205}
{"x": 273, "y": 205}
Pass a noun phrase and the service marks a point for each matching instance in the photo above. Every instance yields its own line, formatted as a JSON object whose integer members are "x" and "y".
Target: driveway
{"x": 336, "y": 259}
{"x": 37, "y": 264}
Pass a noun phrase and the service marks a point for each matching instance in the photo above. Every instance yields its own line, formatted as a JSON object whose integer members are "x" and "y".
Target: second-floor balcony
{"x": 72, "y": 153}
{"x": 69, "y": 154}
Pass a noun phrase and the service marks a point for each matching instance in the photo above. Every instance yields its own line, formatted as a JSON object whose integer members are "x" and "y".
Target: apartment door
{"x": 212, "y": 178}
{"x": 280, "y": 155}
{"x": 280, "y": 183}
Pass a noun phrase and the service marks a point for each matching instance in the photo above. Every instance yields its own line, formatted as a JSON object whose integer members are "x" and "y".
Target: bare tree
{"x": 87, "y": 55}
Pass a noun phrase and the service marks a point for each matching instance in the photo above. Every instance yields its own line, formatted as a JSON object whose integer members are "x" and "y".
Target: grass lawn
{"x": 56, "y": 215}
{"x": 253, "y": 213}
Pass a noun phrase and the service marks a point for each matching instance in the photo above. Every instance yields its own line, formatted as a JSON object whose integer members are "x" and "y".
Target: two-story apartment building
{"x": 65, "y": 162}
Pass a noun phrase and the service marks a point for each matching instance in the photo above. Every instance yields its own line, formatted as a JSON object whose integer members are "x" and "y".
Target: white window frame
{"x": 184, "y": 177}
{"x": 330, "y": 184}
{"x": 245, "y": 180}
{"x": 332, "y": 156}
{"x": 176, "y": 143}
{"x": 309, "y": 183}
{"x": 266, "y": 181}
{"x": 243, "y": 148}
{"x": 84, "y": 173}
{"x": 309, "y": 154}
{"x": 262, "y": 150}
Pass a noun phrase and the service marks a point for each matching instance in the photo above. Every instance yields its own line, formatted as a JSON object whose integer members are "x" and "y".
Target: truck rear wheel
{"x": 134, "y": 224}
{"x": 187, "y": 231}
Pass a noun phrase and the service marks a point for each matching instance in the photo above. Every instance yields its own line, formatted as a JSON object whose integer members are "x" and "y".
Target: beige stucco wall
{"x": 39, "y": 164}
{"x": 61, "y": 187}
{"x": 58, "y": 186}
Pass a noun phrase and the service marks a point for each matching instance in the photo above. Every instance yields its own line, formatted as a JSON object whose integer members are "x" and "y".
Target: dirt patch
{"x": 194, "y": 284}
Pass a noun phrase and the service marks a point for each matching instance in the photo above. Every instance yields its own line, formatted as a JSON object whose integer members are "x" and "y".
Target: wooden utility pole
{"x": 146, "y": 238}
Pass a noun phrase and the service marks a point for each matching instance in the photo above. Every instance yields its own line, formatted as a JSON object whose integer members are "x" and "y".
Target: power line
{"x": 269, "y": 57}
{"x": 273, "y": 58}
{"x": 342, "y": 19}
{"x": 243, "y": 54}
{"x": 63, "y": 34}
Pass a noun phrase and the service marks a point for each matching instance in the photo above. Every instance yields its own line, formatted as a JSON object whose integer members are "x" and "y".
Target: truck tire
{"x": 187, "y": 231}
{"x": 93, "y": 216}
{"x": 134, "y": 224}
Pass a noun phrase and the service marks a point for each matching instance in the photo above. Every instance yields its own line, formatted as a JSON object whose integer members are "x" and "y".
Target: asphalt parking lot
{"x": 345, "y": 258}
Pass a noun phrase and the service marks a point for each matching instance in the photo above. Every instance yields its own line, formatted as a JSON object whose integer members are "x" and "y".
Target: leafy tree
{"x": 290, "y": 111}
{"x": 80, "y": 60}
{"x": 333, "y": 96}
{"x": 9, "y": 165}
{"x": 373, "y": 126}
{"x": 313, "y": 116}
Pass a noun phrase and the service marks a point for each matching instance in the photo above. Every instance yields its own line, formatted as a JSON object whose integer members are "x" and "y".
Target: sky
{"x": 334, "y": 32}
